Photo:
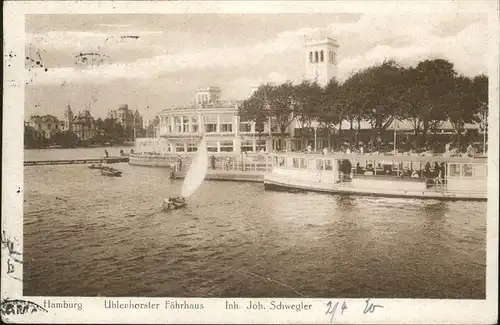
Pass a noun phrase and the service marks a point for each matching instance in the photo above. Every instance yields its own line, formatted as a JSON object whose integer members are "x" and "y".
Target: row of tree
{"x": 107, "y": 131}
{"x": 426, "y": 95}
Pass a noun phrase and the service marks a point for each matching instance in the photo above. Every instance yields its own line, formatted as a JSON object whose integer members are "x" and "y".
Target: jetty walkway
{"x": 227, "y": 175}
{"x": 107, "y": 160}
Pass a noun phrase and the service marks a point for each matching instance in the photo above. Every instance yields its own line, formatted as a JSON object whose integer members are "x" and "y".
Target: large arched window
{"x": 321, "y": 56}
{"x": 310, "y": 56}
{"x": 316, "y": 56}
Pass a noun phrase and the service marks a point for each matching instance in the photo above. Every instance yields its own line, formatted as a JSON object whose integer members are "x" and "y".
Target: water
{"x": 88, "y": 235}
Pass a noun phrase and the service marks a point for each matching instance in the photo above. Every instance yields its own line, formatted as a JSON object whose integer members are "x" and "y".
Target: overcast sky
{"x": 170, "y": 56}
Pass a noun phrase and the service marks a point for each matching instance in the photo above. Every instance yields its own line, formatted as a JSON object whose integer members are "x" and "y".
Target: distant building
{"x": 68, "y": 119}
{"x": 46, "y": 125}
{"x": 131, "y": 121}
{"x": 84, "y": 125}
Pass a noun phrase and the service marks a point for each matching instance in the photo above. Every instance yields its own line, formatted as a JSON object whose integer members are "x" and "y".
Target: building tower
{"x": 321, "y": 60}
{"x": 68, "y": 119}
{"x": 208, "y": 95}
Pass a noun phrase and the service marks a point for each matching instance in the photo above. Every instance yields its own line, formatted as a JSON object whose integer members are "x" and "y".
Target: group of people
{"x": 122, "y": 153}
{"x": 435, "y": 174}
{"x": 348, "y": 149}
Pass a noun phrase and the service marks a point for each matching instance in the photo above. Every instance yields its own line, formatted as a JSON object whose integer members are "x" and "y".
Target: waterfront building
{"x": 84, "y": 125}
{"x": 321, "y": 60}
{"x": 46, "y": 125}
{"x": 182, "y": 127}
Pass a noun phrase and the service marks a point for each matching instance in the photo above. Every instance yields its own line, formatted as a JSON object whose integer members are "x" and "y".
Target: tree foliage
{"x": 425, "y": 95}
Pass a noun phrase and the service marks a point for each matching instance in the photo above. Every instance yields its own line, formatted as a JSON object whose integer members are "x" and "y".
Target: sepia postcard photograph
{"x": 250, "y": 162}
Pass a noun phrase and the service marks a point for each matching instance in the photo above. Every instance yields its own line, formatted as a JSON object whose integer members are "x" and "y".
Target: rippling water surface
{"x": 87, "y": 235}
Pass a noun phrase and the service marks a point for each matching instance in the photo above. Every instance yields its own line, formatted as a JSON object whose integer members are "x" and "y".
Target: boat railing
{"x": 435, "y": 182}
{"x": 228, "y": 163}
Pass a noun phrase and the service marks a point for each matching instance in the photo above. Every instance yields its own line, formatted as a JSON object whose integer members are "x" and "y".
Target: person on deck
{"x": 212, "y": 161}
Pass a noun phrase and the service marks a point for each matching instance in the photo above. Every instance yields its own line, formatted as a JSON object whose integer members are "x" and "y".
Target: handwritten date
{"x": 332, "y": 308}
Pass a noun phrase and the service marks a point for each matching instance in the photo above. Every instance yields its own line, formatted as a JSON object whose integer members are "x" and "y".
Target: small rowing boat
{"x": 108, "y": 171}
{"x": 174, "y": 203}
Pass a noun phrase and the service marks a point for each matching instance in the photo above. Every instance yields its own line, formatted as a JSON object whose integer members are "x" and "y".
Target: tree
{"x": 461, "y": 105}
{"x": 66, "y": 138}
{"x": 480, "y": 95}
{"x": 32, "y": 138}
{"x": 256, "y": 108}
{"x": 281, "y": 103}
{"x": 380, "y": 87}
{"x": 358, "y": 99}
{"x": 435, "y": 78}
{"x": 412, "y": 106}
{"x": 332, "y": 109}
{"x": 307, "y": 102}
{"x": 99, "y": 124}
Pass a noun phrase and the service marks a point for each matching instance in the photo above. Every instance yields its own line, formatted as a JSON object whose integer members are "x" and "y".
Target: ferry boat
{"x": 432, "y": 177}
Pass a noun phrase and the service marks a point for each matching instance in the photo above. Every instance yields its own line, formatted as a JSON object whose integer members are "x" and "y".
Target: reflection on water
{"x": 109, "y": 236}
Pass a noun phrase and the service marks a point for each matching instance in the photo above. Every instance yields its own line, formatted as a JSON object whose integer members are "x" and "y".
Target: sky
{"x": 152, "y": 62}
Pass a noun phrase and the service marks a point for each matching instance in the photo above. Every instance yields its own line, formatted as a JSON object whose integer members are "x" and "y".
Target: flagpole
{"x": 395, "y": 134}
{"x": 394, "y": 141}
{"x": 484, "y": 134}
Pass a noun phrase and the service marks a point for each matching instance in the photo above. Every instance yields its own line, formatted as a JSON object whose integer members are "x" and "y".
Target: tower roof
{"x": 321, "y": 41}
{"x": 210, "y": 88}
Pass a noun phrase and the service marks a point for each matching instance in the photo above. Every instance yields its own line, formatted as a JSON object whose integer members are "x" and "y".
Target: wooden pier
{"x": 108, "y": 160}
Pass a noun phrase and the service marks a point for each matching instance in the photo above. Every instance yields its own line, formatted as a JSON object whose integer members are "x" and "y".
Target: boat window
{"x": 328, "y": 164}
{"x": 303, "y": 163}
{"x": 467, "y": 170}
{"x": 226, "y": 146}
{"x": 295, "y": 162}
{"x": 282, "y": 161}
{"x": 211, "y": 146}
{"x": 319, "y": 164}
{"x": 479, "y": 170}
{"x": 454, "y": 169}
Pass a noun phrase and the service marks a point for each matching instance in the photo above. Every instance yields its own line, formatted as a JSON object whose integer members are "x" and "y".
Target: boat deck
{"x": 433, "y": 192}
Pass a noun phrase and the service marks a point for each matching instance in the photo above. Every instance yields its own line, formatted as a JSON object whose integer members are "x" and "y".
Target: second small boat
{"x": 108, "y": 171}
